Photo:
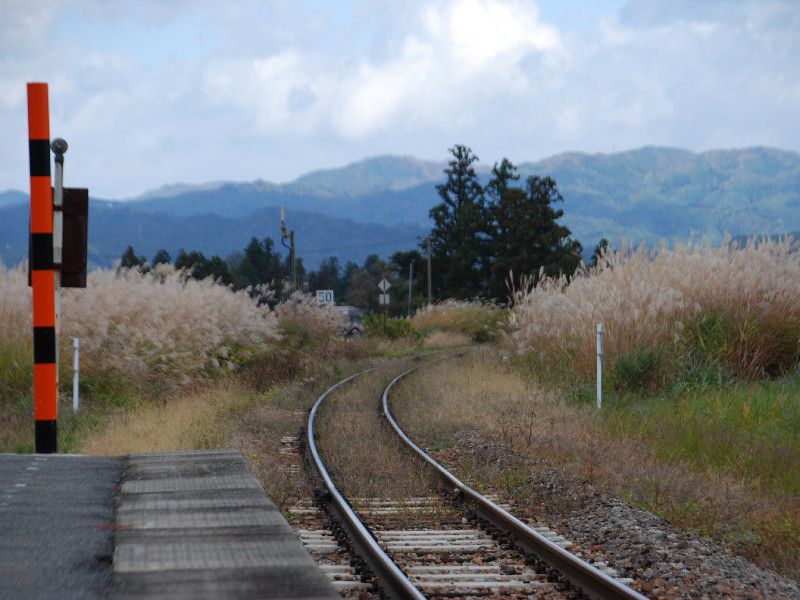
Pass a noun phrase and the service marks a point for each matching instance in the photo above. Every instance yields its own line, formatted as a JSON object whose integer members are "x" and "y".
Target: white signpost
{"x": 324, "y": 297}
{"x": 383, "y": 297}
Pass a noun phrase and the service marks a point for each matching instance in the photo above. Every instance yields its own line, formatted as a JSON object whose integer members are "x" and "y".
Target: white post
{"x": 599, "y": 365}
{"x": 75, "y": 366}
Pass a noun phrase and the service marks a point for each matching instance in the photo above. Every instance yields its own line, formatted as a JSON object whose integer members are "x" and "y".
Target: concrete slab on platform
{"x": 56, "y": 525}
{"x": 198, "y": 525}
{"x": 177, "y": 525}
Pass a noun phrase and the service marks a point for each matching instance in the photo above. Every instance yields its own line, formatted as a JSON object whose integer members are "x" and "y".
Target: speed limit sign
{"x": 324, "y": 297}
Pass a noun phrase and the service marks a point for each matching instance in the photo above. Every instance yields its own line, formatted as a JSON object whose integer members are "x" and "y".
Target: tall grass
{"x": 689, "y": 309}
{"x": 303, "y": 310}
{"x": 159, "y": 329}
{"x": 150, "y": 335}
{"x": 480, "y": 321}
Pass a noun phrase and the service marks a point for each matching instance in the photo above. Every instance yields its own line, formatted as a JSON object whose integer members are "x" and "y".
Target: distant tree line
{"x": 260, "y": 263}
{"x": 485, "y": 240}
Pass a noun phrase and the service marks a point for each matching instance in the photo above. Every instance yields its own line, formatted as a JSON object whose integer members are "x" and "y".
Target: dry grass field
{"x": 695, "y": 309}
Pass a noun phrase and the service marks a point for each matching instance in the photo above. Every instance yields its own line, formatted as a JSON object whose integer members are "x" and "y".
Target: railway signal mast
{"x": 57, "y": 258}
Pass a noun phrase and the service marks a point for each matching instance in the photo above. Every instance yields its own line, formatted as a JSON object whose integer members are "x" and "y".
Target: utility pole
{"x": 290, "y": 235}
{"x": 293, "y": 259}
{"x": 430, "y": 296}
{"x": 410, "y": 284}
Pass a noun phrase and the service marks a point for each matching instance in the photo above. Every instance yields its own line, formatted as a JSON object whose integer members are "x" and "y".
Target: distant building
{"x": 354, "y": 316}
{"x": 351, "y": 312}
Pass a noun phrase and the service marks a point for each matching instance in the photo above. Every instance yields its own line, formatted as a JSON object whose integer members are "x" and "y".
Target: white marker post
{"x": 75, "y": 378}
{"x": 599, "y": 365}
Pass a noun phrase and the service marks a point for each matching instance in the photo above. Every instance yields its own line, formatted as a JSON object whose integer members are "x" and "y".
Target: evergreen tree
{"x": 459, "y": 234}
{"x": 400, "y": 264}
{"x": 129, "y": 260}
{"x": 259, "y": 263}
{"x": 526, "y": 235}
{"x": 602, "y": 246}
{"x": 557, "y": 252}
{"x": 161, "y": 257}
{"x": 202, "y": 267}
{"x": 503, "y": 177}
{"x": 328, "y": 277}
{"x": 362, "y": 283}
{"x": 503, "y": 197}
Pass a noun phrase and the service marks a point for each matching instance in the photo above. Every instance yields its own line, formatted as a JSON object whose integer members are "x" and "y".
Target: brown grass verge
{"x": 249, "y": 411}
{"x": 446, "y": 339}
{"x": 186, "y": 422}
{"x": 364, "y": 458}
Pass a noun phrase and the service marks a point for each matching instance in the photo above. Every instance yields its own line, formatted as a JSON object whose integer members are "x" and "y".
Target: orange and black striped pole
{"x": 43, "y": 276}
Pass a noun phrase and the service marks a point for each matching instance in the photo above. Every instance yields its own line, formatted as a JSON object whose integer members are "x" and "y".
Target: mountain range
{"x": 380, "y": 204}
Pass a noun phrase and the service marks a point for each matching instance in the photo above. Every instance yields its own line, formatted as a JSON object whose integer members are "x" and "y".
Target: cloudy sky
{"x": 153, "y": 92}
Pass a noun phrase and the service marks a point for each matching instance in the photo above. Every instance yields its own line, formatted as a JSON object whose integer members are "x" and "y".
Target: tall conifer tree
{"x": 459, "y": 238}
{"x": 526, "y": 235}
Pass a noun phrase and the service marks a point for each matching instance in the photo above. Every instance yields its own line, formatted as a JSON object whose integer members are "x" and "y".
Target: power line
{"x": 381, "y": 243}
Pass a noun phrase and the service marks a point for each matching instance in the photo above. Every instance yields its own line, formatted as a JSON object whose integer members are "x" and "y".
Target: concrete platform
{"x": 177, "y": 525}
{"x": 56, "y": 516}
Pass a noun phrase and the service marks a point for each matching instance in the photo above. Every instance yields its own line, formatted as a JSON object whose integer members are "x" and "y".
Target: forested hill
{"x": 112, "y": 227}
{"x": 381, "y": 204}
{"x": 648, "y": 193}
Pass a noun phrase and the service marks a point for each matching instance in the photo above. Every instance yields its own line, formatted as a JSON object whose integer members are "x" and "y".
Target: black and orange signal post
{"x": 57, "y": 256}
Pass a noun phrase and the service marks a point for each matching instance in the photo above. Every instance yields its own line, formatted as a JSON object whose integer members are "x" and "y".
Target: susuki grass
{"x": 691, "y": 309}
{"x": 191, "y": 420}
{"x": 303, "y": 310}
{"x": 144, "y": 336}
{"x": 702, "y": 346}
{"x": 160, "y": 328}
{"x": 480, "y": 321}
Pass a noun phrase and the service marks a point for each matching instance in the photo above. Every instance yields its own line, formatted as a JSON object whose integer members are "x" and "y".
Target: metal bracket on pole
{"x": 59, "y": 147}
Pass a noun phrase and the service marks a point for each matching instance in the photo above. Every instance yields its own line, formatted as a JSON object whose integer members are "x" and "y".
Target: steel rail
{"x": 593, "y": 582}
{"x": 393, "y": 580}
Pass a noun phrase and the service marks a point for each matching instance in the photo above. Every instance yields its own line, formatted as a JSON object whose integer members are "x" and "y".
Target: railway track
{"x": 456, "y": 544}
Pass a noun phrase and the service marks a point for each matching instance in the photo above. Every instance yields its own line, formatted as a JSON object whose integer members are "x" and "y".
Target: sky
{"x": 148, "y": 92}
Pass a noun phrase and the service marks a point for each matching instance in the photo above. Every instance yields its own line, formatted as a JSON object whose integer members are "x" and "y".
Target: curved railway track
{"x": 446, "y": 553}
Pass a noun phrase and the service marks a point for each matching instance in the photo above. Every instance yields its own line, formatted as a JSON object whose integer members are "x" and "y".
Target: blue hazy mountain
{"x": 381, "y": 204}
{"x": 114, "y": 225}
{"x": 644, "y": 194}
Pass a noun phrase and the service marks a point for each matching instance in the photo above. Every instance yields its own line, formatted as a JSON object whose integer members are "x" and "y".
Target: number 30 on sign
{"x": 324, "y": 297}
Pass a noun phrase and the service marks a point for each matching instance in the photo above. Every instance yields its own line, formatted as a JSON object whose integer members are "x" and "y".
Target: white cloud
{"x": 265, "y": 88}
{"x": 463, "y": 51}
{"x": 274, "y": 89}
